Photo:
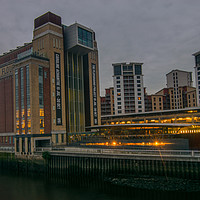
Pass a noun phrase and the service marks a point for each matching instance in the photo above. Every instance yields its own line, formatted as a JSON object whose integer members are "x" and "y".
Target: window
{"x": 118, "y": 86}
{"x": 139, "y": 90}
{"x": 41, "y": 99}
{"x": 62, "y": 138}
{"x": 197, "y": 59}
{"x": 56, "y": 138}
{"x": 138, "y": 81}
{"x": 118, "y": 90}
{"x": 119, "y": 99}
{"x": 139, "y": 102}
{"x": 119, "y": 107}
{"x": 139, "y": 94}
{"x": 118, "y": 82}
{"x": 119, "y": 111}
{"x": 85, "y": 37}
{"x": 119, "y": 103}
{"x": 45, "y": 75}
{"x": 117, "y": 70}
{"x": 138, "y": 69}
{"x": 138, "y": 85}
{"x": 138, "y": 77}
{"x": 118, "y": 77}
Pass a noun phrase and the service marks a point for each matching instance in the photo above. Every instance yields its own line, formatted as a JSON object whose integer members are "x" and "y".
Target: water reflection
{"x": 14, "y": 187}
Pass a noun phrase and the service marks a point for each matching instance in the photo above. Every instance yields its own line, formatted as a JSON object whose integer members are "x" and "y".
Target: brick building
{"x": 49, "y": 87}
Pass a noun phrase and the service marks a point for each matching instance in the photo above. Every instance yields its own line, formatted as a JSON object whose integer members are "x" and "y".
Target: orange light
{"x": 114, "y": 143}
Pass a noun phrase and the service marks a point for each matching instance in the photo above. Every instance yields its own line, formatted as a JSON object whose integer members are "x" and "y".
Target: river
{"x": 15, "y": 187}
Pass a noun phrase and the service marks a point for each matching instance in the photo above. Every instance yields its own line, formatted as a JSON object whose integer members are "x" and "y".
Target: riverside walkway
{"x": 174, "y": 155}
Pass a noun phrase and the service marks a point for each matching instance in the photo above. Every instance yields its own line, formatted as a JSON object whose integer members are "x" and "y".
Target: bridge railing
{"x": 7, "y": 149}
{"x": 77, "y": 150}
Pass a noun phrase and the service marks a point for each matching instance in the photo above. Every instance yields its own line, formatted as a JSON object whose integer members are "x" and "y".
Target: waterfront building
{"x": 128, "y": 88}
{"x": 49, "y": 87}
{"x": 197, "y": 75}
{"x": 175, "y": 79}
{"x": 107, "y": 102}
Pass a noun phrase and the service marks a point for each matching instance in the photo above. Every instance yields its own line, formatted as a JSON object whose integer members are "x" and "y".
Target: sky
{"x": 162, "y": 34}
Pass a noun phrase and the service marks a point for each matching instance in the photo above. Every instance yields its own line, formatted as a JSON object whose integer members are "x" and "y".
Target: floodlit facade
{"x": 49, "y": 87}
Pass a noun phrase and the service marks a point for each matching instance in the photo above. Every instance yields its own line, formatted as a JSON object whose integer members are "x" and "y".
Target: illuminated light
{"x": 128, "y": 122}
{"x": 112, "y": 123}
{"x": 123, "y": 122}
{"x": 106, "y": 143}
{"x": 180, "y": 118}
{"x": 173, "y": 119}
{"x": 114, "y": 143}
{"x": 188, "y": 118}
{"x": 143, "y": 143}
{"x": 156, "y": 143}
{"x": 153, "y": 120}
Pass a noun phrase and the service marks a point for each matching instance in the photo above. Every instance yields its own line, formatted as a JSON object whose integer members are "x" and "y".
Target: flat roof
{"x": 160, "y": 112}
{"x": 142, "y": 125}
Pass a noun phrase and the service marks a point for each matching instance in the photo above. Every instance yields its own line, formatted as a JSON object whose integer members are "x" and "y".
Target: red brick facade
{"x": 6, "y": 105}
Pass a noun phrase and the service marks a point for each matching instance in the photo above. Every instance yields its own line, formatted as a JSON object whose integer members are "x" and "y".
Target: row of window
{"x": 127, "y": 70}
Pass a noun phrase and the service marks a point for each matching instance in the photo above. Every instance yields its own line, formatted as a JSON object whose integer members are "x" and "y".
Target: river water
{"x": 15, "y": 187}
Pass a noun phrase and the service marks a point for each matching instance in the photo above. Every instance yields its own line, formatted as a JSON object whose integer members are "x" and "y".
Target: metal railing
{"x": 7, "y": 149}
{"x": 127, "y": 152}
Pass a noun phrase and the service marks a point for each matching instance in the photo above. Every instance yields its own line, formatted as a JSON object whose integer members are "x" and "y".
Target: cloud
{"x": 161, "y": 34}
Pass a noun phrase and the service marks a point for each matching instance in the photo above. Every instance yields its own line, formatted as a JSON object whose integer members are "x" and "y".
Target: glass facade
{"x": 28, "y": 99}
{"x": 197, "y": 59}
{"x": 75, "y": 93}
{"x": 117, "y": 70}
{"x": 17, "y": 100}
{"x": 22, "y": 101}
{"x": 41, "y": 100}
{"x": 85, "y": 37}
{"x": 138, "y": 70}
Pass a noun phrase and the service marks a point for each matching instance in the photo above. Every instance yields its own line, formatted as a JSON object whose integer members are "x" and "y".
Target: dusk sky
{"x": 162, "y": 34}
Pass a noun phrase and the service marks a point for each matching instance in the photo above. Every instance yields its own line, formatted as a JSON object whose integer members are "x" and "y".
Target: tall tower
{"x": 81, "y": 78}
{"x": 48, "y": 42}
{"x": 128, "y": 88}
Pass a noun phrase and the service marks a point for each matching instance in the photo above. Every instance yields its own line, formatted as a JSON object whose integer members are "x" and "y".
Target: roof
{"x": 142, "y": 125}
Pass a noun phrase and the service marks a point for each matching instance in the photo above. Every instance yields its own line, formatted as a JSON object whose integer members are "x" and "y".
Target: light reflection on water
{"x": 25, "y": 188}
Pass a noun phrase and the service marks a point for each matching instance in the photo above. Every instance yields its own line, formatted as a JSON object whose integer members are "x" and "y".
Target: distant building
{"x": 166, "y": 100}
{"x": 175, "y": 79}
{"x": 197, "y": 75}
{"x": 107, "y": 102}
{"x": 147, "y": 101}
{"x": 161, "y": 100}
{"x": 128, "y": 88}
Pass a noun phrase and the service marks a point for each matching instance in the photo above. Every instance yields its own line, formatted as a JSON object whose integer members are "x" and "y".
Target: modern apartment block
{"x": 49, "y": 88}
{"x": 128, "y": 88}
{"x": 175, "y": 79}
{"x": 107, "y": 102}
{"x": 197, "y": 75}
